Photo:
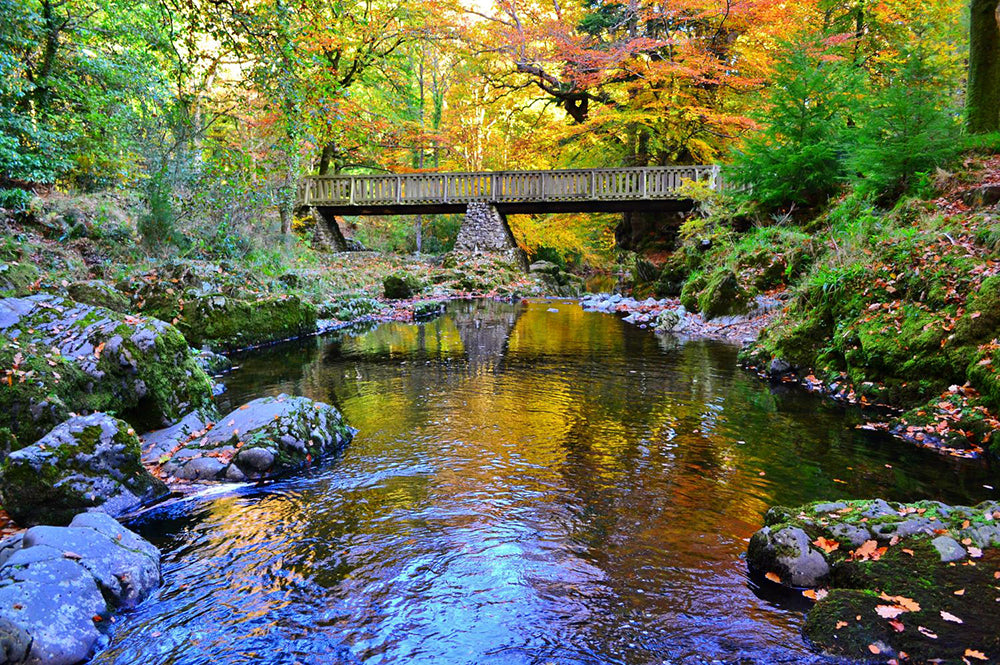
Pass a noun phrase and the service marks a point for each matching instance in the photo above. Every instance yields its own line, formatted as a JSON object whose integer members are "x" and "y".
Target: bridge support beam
{"x": 328, "y": 233}
{"x": 485, "y": 230}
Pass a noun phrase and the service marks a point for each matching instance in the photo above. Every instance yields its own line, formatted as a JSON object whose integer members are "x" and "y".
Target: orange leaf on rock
{"x": 826, "y": 544}
{"x": 773, "y": 577}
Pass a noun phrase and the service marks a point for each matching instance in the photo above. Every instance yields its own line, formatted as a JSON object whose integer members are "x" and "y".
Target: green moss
{"x": 981, "y": 321}
{"x": 225, "y": 323}
{"x": 400, "y": 285}
{"x": 692, "y": 289}
{"x": 724, "y": 295}
{"x": 16, "y": 278}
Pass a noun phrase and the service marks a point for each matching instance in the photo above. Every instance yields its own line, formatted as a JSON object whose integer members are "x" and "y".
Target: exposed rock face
{"x": 67, "y": 357}
{"x": 88, "y": 462}
{"x": 56, "y": 581}
{"x": 262, "y": 439}
{"x": 904, "y": 578}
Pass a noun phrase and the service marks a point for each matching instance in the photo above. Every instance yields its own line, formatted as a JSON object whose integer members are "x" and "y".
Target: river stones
{"x": 86, "y": 463}
{"x": 262, "y": 439}
{"x": 65, "y": 357}
{"x": 916, "y": 585}
{"x": 58, "y": 583}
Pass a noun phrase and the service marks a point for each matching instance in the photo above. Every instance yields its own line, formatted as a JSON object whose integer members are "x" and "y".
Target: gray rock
{"x": 788, "y": 552}
{"x": 14, "y": 642}
{"x": 984, "y": 535}
{"x": 879, "y": 508}
{"x": 61, "y": 578}
{"x": 88, "y": 462}
{"x": 904, "y": 528}
{"x": 778, "y": 367}
{"x": 829, "y": 507}
{"x": 273, "y": 435}
{"x": 255, "y": 460}
{"x": 855, "y": 535}
{"x": 948, "y": 548}
{"x": 544, "y": 267}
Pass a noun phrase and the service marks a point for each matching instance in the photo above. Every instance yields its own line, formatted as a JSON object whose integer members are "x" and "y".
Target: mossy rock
{"x": 16, "y": 278}
{"x": 691, "y": 291}
{"x": 224, "y": 323}
{"x": 401, "y": 285}
{"x": 100, "y": 294}
{"x": 425, "y": 309}
{"x": 672, "y": 276}
{"x": 349, "y": 308}
{"x": 724, "y": 295}
{"x": 265, "y": 438}
{"x": 981, "y": 321}
{"x": 67, "y": 357}
{"x": 88, "y": 462}
{"x": 906, "y": 578}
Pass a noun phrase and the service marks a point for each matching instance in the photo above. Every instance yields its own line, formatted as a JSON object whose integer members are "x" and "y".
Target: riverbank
{"x": 894, "y": 307}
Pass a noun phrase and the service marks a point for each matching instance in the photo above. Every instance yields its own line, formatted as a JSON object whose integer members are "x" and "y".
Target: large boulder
{"x": 219, "y": 306}
{"x": 99, "y": 293}
{"x": 63, "y": 357}
{"x": 262, "y": 439}
{"x": 57, "y": 583}
{"x": 86, "y": 463}
{"x": 401, "y": 284}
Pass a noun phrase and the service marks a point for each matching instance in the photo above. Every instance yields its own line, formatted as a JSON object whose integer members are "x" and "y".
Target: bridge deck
{"x": 571, "y": 190}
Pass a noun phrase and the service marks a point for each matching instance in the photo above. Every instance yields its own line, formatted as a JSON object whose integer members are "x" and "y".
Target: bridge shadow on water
{"x": 531, "y": 483}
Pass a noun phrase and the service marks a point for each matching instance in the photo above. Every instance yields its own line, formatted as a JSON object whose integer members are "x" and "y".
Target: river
{"x": 530, "y": 484}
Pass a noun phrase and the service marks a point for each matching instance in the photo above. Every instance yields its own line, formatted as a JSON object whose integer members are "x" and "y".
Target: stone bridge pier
{"x": 485, "y": 231}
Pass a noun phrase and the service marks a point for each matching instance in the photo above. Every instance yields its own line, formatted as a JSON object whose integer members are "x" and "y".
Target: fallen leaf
{"x": 889, "y": 611}
{"x": 926, "y": 632}
{"x": 817, "y": 594}
{"x": 897, "y": 625}
{"x": 874, "y": 649}
{"x": 960, "y": 592}
{"x": 948, "y": 616}
{"x": 973, "y": 653}
{"x": 826, "y": 544}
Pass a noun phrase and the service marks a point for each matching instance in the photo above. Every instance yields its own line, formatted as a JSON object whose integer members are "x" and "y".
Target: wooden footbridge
{"x": 509, "y": 192}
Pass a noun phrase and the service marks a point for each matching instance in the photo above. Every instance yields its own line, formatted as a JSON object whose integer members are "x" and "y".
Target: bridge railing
{"x": 654, "y": 182}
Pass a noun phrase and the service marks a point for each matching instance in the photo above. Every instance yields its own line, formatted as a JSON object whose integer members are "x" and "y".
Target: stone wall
{"x": 328, "y": 234}
{"x": 485, "y": 229}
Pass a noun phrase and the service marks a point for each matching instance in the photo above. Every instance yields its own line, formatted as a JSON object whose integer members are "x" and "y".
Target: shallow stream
{"x": 530, "y": 484}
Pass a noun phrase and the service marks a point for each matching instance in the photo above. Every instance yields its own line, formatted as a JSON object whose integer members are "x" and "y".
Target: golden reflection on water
{"x": 527, "y": 486}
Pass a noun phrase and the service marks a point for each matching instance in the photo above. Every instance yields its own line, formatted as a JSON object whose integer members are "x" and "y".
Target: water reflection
{"x": 528, "y": 486}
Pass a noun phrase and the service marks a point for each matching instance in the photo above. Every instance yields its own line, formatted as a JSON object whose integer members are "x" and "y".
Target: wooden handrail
{"x": 616, "y": 184}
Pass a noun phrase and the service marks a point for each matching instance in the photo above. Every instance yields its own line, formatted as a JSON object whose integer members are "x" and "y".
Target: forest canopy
{"x": 204, "y": 106}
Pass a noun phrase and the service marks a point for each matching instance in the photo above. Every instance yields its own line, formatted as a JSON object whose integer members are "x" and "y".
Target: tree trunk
{"x": 982, "y": 103}
{"x": 327, "y": 157}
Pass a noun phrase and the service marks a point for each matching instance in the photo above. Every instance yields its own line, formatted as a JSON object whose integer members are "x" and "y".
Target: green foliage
{"x": 156, "y": 227}
{"x": 795, "y": 160}
{"x": 906, "y": 132}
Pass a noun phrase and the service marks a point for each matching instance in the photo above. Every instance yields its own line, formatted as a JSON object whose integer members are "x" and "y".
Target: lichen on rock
{"x": 58, "y": 583}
